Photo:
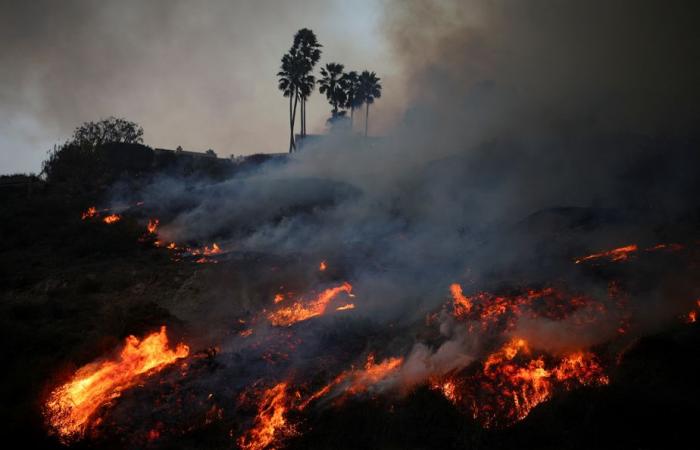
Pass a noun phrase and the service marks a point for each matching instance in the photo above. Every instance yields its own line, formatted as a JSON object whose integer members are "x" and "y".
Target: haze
{"x": 196, "y": 74}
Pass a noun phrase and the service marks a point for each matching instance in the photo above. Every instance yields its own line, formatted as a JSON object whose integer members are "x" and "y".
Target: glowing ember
{"x": 112, "y": 218}
{"x": 215, "y": 249}
{"x": 270, "y": 423}
{"x": 152, "y": 226}
{"x": 670, "y": 247}
{"x": 278, "y": 298}
{"x": 322, "y": 266}
{"x": 692, "y": 315}
{"x": 462, "y": 305}
{"x": 89, "y": 213}
{"x": 300, "y": 311}
{"x": 345, "y": 307}
{"x": 71, "y": 407}
{"x": 617, "y": 254}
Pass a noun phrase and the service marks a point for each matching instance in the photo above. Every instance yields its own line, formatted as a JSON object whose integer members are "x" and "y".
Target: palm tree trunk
{"x": 366, "y": 118}
{"x": 294, "y": 115}
{"x": 352, "y": 113}
{"x": 301, "y": 118}
{"x": 291, "y": 126}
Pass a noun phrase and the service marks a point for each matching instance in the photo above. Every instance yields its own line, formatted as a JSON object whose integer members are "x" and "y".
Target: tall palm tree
{"x": 306, "y": 88}
{"x": 331, "y": 84}
{"x": 370, "y": 89}
{"x": 352, "y": 93}
{"x": 290, "y": 79}
{"x": 307, "y": 46}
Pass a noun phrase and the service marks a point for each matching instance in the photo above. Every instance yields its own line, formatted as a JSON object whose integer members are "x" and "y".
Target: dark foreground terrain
{"x": 71, "y": 290}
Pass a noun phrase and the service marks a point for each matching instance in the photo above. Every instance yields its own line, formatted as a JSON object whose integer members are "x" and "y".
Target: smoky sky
{"x": 202, "y": 74}
{"x": 197, "y": 74}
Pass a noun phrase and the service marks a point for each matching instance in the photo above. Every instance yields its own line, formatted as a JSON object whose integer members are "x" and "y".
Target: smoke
{"x": 196, "y": 74}
{"x": 535, "y": 129}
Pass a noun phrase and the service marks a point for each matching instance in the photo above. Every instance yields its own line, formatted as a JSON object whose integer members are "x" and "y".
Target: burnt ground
{"x": 72, "y": 290}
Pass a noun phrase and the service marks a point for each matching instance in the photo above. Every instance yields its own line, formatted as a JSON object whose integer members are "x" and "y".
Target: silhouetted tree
{"x": 370, "y": 89}
{"x": 307, "y": 48}
{"x": 332, "y": 85}
{"x": 97, "y": 152}
{"x": 289, "y": 82}
{"x": 351, "y": 82}
{"x": 105, "y": 131}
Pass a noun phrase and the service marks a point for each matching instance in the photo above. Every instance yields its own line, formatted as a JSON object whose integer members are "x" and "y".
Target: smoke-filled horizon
{"x": 194, "y": 74}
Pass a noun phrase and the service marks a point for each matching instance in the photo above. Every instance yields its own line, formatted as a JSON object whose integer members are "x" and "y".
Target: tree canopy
{"x": 106, "y": 131}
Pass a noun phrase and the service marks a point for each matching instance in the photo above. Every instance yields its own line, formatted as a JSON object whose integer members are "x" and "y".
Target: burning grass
{"x": 300, "y": 311}
{"x": 71, "y": 407}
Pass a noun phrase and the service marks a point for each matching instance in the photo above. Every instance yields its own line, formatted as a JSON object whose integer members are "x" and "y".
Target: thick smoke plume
{"x": 527, "y": 119}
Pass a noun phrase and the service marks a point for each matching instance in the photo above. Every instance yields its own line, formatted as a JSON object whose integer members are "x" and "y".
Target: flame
{"x": 462, "y": 305}
{"x": 89, "y": 213}
{"x": 299, "y": 311}
{"x": 270, "y": 423}
{"x": 215, "y": 249}
{"x": 372, "y": 374}
{"x": 152, "y": 226}
{"x": 616, "y": 254}
{"x": 322, "y": 266}
{"x": 345, "y": 307}
{"x": 692, "y": 315}
{"x": 278, "y": 298}
{"x": 112, "y": 218}
{"x": 501, "y": 312}
{"x": 71, "y": 407}
{"x": 513, "y": 381}
{"x": 357, "y": 381}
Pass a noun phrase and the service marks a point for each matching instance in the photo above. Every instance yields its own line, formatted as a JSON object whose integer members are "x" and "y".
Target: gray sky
{"x": 200, "y": 74}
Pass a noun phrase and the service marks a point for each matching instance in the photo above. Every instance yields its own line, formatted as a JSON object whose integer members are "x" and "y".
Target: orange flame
{"x": 152, "y": 226}
{"x": 215, "y": 249}
{"x": 616, "y": 254}
{"x": 112, "y": 218}
{"x": 322, "y": 266}
{"x": 71, "y": 407}
{"x": 299, "y": 311}
{"x": 279, "y": 298}
{"x": 345, "y": 307}
{"x": 89, "y": 213}
{"x": 373, "y": 374}
{"x": 512, "y": 382}
{"x": 270, "y": 423}
{"x": 462, "y": 305}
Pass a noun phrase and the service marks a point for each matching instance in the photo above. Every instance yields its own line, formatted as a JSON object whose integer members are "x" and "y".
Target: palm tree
{"x": 309, "y": 50}
{"x": 352, "y": 93}
{"x": 289, "y": 81}
{"x": 306, "y": 87}
{"x": 370, "y": 89}
{"x": 332, "y": 85}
